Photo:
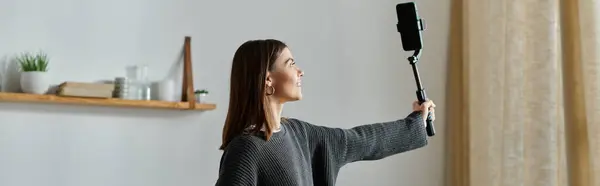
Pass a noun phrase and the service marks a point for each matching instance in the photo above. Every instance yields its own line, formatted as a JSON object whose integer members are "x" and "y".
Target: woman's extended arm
{"x": 369, "y": 142}
{"x": 380, "y": 140}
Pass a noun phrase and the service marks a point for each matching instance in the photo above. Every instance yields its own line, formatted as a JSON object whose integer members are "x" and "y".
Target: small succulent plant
{"x": 29, "y": 62}
{"x": 203, "y": 91}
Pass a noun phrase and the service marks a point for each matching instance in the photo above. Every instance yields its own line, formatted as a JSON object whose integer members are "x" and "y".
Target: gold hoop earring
{"x": 272, "y": 90}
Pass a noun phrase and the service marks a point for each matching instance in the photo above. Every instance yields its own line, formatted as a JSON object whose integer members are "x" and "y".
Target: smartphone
{"x": 410, "y": 26}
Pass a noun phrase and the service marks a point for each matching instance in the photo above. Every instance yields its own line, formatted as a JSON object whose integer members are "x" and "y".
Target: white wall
{"x": 356, "y": 73}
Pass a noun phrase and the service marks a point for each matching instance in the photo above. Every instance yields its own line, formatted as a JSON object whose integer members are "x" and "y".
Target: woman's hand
{"x": 425, "y": 108}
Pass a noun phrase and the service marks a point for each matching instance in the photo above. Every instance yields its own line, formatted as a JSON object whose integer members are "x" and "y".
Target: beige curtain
{"x": 524, "y": 97}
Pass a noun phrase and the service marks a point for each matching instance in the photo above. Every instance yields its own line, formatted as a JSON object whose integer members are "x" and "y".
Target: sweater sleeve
{"x": 239, "y": 164}
{"x": 371, "y": 141}
{"x": 380, "y": 140}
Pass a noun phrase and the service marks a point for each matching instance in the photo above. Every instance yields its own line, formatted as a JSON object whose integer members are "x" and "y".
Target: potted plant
{"x": 201, "y": 95}
{"x": 34, "y": 72}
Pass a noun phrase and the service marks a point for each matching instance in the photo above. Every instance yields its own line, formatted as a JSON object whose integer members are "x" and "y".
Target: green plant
{"x": 29, "y": 62}
{"x": 203, "y": 91}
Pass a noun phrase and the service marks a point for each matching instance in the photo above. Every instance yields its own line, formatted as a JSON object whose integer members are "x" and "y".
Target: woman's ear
{"x": 269, "y": 80}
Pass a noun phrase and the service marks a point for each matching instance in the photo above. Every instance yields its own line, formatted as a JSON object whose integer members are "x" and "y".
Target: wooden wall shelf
{"x": 187, "y": 102}
{"x": 111, "y": 102}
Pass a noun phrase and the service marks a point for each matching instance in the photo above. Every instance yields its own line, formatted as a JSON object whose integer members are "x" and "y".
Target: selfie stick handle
{"x": 421, "y": 96}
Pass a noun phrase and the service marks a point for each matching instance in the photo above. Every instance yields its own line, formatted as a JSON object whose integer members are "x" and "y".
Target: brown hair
{"x": 248, "y": 104}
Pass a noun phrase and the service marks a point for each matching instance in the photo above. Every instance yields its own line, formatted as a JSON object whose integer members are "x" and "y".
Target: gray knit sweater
{"x": 302, "y": 154}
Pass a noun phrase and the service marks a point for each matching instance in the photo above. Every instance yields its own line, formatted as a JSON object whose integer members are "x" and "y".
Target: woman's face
{"x": 285, "y": 78}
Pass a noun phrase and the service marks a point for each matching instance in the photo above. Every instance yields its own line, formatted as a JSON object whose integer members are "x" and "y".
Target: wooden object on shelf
{"x": 112, "y": 102}
{"x": 187, "y": 93}
{"x": 82, "y": 92}
{"x": 85, "y": 89}
{"x": 87, "y": 85}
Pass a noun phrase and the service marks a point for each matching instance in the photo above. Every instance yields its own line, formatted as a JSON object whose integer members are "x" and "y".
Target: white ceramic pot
{"x": 35, "y": 82}
{"x": 166, "y": 91}
{"x": 201, "y": 98}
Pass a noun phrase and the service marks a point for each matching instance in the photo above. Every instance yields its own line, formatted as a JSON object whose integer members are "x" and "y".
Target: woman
{"x": 262, "y": 148}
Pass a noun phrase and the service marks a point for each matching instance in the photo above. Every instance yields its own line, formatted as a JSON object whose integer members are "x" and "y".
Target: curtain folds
{"x": 524, "y": 88}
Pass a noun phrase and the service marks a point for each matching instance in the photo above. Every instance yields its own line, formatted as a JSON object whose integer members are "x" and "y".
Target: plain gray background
{"x": 355, "y": 73}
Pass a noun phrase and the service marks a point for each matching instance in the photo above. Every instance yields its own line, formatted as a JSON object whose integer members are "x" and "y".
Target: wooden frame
{"x": 187, "y": 93}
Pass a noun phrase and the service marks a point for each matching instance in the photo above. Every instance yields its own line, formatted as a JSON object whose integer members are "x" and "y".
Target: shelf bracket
{"x": 187, "y": 93}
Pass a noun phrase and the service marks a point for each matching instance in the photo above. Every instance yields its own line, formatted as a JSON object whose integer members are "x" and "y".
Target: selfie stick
{"x": 410, "y": 26}
{"x": 421, "y": 96}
